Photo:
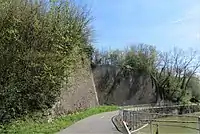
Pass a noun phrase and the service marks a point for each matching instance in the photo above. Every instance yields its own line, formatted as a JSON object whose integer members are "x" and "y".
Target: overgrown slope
{"x": 40, "y": 42}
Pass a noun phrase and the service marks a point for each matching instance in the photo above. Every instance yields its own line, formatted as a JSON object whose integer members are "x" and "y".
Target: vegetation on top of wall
{"x": 173, "y": 74}
{"x": 39, "y": 44}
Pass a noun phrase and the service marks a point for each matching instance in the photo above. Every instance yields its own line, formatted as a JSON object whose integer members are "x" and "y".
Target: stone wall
{"x": 79, "y": 94}
{"x": 89, "y": 88}
{"x": 112, "y": 89}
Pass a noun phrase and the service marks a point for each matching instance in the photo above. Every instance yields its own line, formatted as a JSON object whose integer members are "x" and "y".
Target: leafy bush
{"x": 194, "y": 86}
{"x": 39, "y": 44}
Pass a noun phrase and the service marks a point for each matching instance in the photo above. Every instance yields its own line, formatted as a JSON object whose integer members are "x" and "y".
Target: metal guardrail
{"x": 154, "y": 105}
{"x": 136, "y": 116}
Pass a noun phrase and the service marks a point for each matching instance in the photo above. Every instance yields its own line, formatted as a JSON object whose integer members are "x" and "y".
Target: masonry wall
{"x": 79, "y": 94}
{"x": 122, "y": 91}
{"x": 89, "y": 88}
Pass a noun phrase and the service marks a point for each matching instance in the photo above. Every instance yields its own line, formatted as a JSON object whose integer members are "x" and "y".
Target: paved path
{"x": 96, "y": 124}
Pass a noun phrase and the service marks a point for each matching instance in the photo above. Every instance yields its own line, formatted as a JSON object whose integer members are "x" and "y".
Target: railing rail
{"x": 136, "y": 116}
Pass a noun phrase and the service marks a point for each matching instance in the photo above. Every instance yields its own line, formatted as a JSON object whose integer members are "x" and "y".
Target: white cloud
{"x": 191, "y": 14}
{"x": 188, "y": 26}
{"x": 177, "y": 21}
{"x": 184, "y": 19}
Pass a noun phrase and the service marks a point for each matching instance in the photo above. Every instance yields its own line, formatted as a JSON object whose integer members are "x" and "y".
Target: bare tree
{"x": 173, "y": 72}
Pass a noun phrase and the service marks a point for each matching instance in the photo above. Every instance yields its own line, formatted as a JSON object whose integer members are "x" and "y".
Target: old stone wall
{"x": 112, "y": 89}
{"x": 102, "y": 85}
{"x": 80, "y": 93}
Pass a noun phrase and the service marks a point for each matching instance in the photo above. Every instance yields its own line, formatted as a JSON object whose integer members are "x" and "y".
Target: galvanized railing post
{"x": 151, "y": 127}
{"x": 133, "y": 120}
{"x": 199, "y": 124}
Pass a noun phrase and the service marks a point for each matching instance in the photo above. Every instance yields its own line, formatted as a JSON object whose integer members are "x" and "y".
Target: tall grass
{"x": 30, "y": 126}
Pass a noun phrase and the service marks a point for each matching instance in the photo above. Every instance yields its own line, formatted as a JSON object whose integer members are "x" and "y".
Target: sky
{"x": 162, "y": 23}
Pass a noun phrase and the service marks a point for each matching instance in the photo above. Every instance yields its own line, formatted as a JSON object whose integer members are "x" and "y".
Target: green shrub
{"x": 39, "y": 44}
{"x": 30, "y": 126}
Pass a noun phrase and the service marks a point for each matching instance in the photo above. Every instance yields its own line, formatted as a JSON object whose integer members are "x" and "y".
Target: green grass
{"x": 30, "y": 126}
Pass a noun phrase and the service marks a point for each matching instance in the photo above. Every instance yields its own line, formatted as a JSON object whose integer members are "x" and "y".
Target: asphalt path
{"x": 95, "y": 124}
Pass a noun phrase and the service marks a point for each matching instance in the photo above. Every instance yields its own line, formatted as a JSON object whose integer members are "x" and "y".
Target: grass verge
{"x": 30, "y": 126}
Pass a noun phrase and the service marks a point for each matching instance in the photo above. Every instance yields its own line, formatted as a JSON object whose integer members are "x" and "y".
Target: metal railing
{"x": 137, "y": 116}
